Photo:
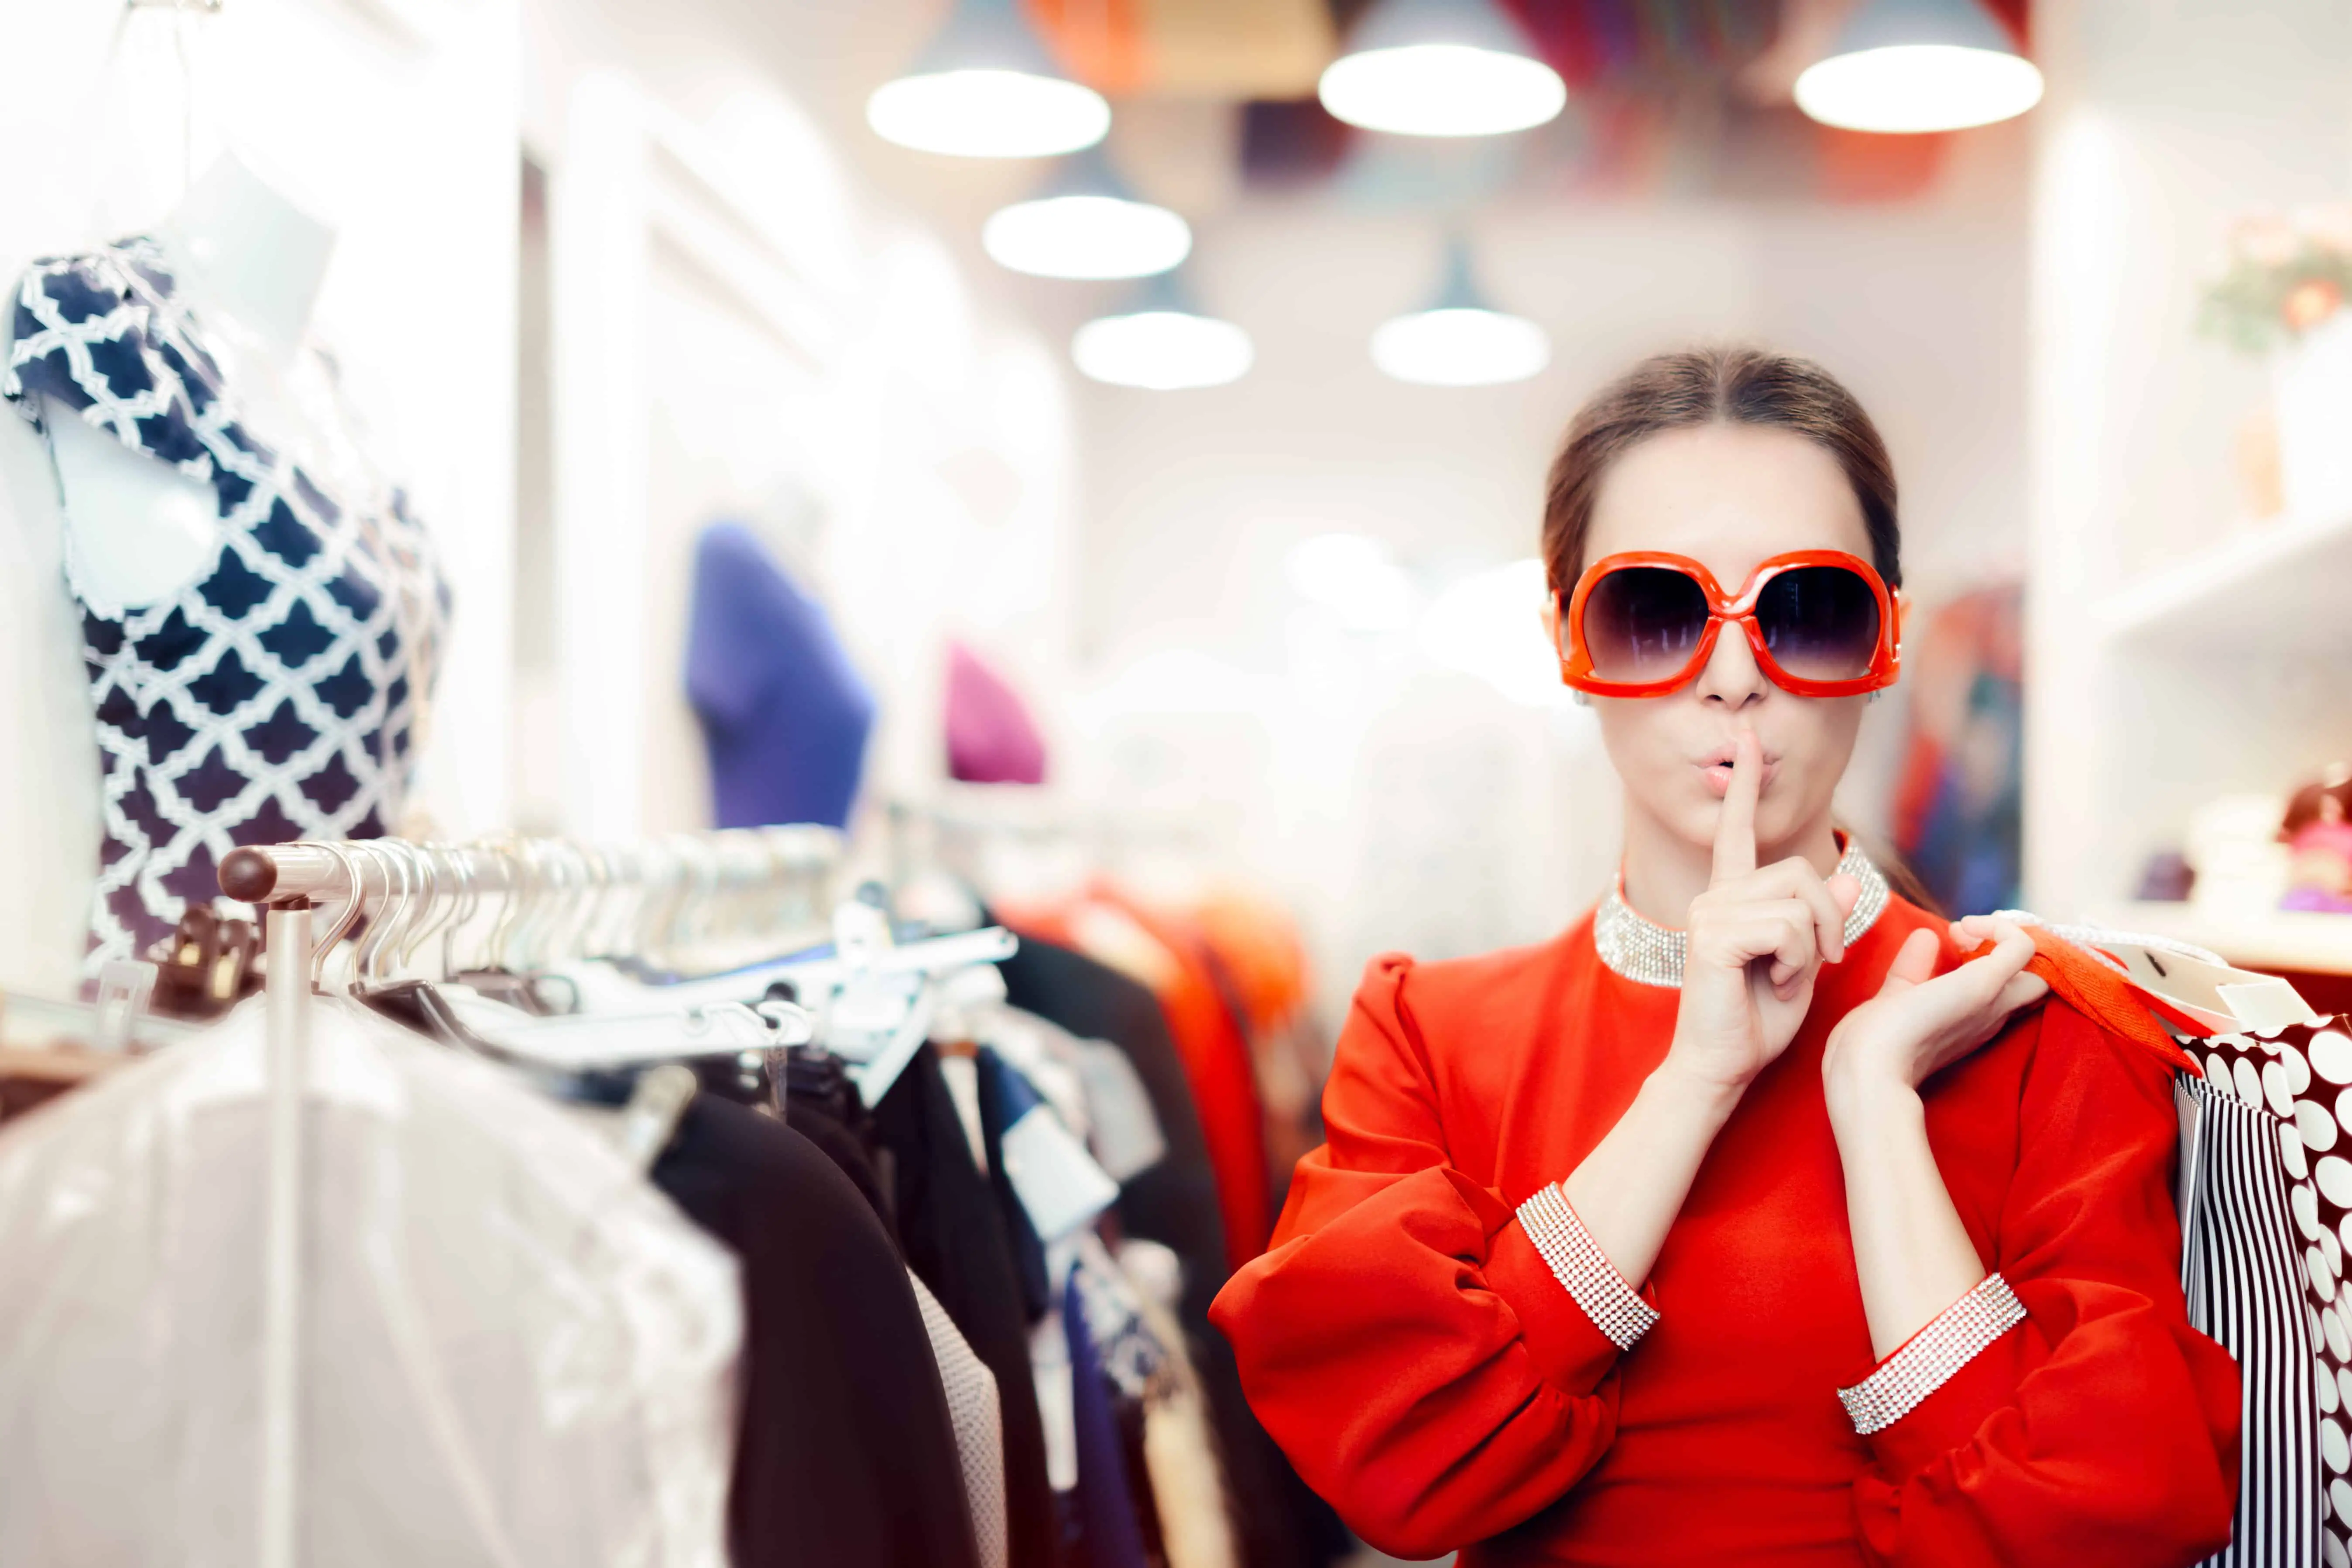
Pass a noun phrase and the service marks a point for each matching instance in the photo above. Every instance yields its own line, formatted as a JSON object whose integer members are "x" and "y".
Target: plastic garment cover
{"x": 513, "y": 1350}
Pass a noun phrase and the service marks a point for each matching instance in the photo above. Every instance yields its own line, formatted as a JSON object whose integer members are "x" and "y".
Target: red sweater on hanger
{"x": 1409, "y": 1349}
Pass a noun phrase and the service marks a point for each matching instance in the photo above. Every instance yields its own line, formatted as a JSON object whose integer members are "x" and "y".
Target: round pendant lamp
{"x": 985, "y": 88}
{"x": 1460, "y": 340}
{"x": 1086, "y": 224}
{"x": 1441, "y": 68}
{"x": 1908, "y": 66}
{"x": 1161, "y": 344}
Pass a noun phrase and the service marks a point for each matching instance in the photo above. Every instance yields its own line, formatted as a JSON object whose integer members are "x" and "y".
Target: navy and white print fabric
{"x": 278, "y": 696}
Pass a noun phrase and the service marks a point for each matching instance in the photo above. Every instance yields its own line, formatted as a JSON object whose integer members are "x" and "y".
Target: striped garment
{"x": 2266, "y": 1216}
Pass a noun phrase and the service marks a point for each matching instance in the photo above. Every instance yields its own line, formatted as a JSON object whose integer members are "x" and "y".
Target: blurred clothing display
{"x": 846, "y": 1453}
{"x": 1107, "y": 1519}
{"x": 991, "y": 737}
{"x": 977, "y": 1414}
{"x": 1417, "y": 1356}
{"x": 279, "y": 693}
{"x": 1959, "y": 816}
{"x": 1168, "y": 954}
{"x": 784, "y": 713}
{"x": 956, "y": 1242}
{"x": 1179, "y": 1202}
{"x": 1256, "y": 946}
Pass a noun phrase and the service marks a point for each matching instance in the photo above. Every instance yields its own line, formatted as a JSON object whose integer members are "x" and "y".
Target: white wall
{"x": 2164, "y": 125}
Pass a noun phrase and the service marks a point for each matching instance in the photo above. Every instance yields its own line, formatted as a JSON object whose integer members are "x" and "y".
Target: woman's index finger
{"x": 1734, "y": 829}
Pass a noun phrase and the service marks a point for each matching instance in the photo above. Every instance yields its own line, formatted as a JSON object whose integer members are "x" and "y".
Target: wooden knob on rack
{"x": 248, "y": 875}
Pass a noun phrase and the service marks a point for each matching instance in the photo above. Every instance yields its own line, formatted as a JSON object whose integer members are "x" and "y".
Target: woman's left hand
{"x": 1921, "y": 1022}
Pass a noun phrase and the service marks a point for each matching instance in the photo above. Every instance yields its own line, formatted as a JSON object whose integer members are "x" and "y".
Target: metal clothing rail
{"x": 749, "y": 867}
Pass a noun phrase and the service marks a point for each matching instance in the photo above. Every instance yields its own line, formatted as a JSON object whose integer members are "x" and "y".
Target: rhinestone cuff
{"x": 1928, "y": 1359}
{"x": 1637, "y": 948}
{"x": 1582, "y": 1269}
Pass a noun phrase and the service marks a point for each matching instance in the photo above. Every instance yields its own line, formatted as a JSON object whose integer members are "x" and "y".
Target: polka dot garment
{"x": 2301, "y": 1078}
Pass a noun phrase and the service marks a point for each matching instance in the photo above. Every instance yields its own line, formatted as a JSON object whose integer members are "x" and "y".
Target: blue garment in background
{"x": 1107, "y": 1529}
{"x": 783, "y": 712}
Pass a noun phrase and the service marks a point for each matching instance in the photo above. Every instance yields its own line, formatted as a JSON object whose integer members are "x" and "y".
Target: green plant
{"x": 2285, "y": 277}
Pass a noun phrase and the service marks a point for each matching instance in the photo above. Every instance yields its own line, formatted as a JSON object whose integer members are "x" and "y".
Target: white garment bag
{"x": 512, "y": 1353}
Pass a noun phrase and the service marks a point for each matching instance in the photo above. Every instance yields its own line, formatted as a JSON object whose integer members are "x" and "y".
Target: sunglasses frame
{"x": 1576, "y": 657}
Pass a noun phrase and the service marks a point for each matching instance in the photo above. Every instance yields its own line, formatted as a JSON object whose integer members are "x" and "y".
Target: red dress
{"x": 1409, "y": 1349}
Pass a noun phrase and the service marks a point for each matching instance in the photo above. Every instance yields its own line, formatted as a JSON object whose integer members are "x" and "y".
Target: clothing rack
{"x": 752, "y": 876}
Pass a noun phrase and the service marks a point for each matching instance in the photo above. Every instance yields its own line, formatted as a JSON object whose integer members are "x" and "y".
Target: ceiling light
{"x": 985, "y": 88}
{"x": 1441, "y": 68}
{"x": 1086, "y": 237}
{"x": 1086, "y": 224}
{"x": 1162, "y": 345}
{"x": 1460, "y": 340}
{"x": 1919, "y": 65}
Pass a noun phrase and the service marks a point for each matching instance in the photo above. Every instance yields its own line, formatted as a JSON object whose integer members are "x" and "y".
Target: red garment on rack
{"x": 1209, "y": 1039}
{"x": 1409, "y": 1349}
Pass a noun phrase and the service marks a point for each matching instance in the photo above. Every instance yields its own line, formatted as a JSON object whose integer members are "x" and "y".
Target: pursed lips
{"x": 1716, "y": 766}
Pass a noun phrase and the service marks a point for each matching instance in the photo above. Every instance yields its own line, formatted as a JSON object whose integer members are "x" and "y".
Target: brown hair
{"x": 1716, "y": 386}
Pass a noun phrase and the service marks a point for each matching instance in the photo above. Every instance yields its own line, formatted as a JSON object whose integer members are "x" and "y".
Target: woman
{"x": 1789, "y": 1236}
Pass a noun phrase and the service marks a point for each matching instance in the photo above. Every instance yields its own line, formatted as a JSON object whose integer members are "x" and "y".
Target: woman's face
{"x": 1728, "y": 496}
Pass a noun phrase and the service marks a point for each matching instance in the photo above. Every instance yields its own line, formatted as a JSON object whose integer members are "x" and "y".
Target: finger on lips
{"x": 1735, "y": 826}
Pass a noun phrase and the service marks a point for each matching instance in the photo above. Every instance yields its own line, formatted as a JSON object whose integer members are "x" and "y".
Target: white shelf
{"x": 2314, "y": 944}
{"x": 2280, "y": 580}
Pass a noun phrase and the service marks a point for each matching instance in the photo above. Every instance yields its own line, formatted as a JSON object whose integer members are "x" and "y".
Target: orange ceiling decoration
{"x": 1191, "y": 48}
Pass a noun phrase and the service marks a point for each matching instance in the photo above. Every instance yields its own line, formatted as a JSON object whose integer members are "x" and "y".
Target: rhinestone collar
{"x": 1638, "y": 949}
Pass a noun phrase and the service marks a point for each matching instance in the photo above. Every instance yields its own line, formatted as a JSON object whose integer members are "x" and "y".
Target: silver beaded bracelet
{"x": 1582, "y": 1269}
{"x": 1928, "y": 1359}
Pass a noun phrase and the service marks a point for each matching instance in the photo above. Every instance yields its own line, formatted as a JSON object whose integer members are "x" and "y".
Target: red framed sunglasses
{"x": 1823, "y": 624}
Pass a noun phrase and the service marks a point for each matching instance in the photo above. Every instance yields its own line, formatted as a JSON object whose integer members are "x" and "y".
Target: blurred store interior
{"x": 642, "y": 268}
{"x": 1201, "y": 585}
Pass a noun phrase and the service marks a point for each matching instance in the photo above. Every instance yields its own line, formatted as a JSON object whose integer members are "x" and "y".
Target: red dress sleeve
{"x": 1403, "y": 1340}
{"x": 2103, "y": 1429}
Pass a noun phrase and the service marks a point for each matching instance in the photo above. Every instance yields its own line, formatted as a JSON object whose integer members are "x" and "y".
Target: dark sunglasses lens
{"x": 1643, "y": 622}
{"x": 1820, "y": 623}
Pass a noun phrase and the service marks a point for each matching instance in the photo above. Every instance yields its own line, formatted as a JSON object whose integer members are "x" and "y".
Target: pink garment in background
{"x": 991, "y": 737}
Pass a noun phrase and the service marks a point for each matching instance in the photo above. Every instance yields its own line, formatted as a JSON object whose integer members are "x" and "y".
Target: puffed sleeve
{"x": 2102, "y": 1428}
{"x": 1403, "y": 1340}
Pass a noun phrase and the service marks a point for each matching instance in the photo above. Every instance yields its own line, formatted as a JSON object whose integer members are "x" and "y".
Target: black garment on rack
{"x": 955, "y": 1239}
{"x": 822, "y": 1104}
{"x": 849, "y": 1156}
{"x": 846, "y": 1456}
{"x": 1281, "y": 1523}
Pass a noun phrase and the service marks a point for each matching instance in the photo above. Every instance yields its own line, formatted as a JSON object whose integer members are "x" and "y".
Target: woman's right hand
{"x": 1757, "y": 938}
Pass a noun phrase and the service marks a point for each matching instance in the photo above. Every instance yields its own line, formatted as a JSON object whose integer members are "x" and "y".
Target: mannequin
{"x": 249, "y": 262}
{"x": 258, "y": 615}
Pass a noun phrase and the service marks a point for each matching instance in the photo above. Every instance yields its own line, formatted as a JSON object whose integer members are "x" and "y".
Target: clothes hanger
{"x": 63, "y": 1040}
{"x": 671, "y": 1030}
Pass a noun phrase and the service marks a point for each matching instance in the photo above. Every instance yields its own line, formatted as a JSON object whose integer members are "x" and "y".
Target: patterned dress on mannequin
{"x": 279, "y": 695}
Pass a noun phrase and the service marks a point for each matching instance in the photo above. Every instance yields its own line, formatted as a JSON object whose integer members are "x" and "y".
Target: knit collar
{"x": 1638, "y": 949}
